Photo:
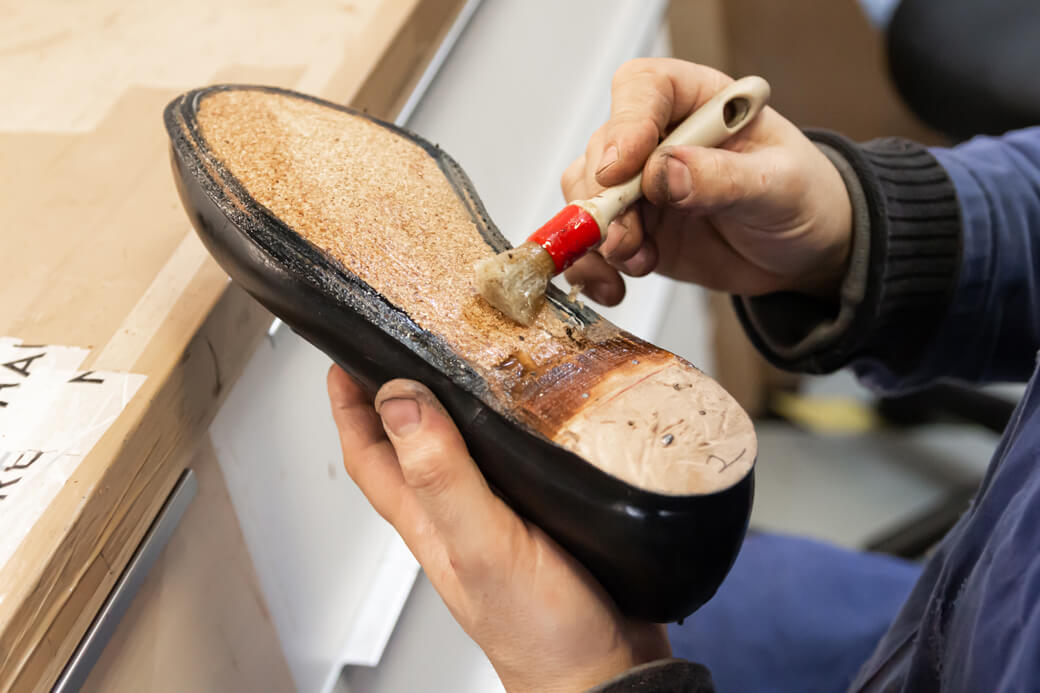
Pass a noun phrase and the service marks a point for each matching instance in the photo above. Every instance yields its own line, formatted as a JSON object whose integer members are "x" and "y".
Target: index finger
{"x": 647, "y": 96}
{"x": 367, "y": 454}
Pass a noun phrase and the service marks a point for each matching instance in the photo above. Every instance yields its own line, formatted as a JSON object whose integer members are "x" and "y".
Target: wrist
{"x": 550, "y": 679}
{"x": 902, "y": 272}
{"x": 825, "y": 281}
{"x": 573, "y": 679}
{"x": 554, "y": 675}
{"x": 838, "y": 224}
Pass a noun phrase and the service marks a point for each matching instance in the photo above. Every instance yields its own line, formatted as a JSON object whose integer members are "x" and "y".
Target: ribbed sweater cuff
{"x": 913, "y": 228}
{"x": 662, "y": 676}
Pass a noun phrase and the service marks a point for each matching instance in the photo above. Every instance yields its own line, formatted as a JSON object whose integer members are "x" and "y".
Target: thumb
{"x": 701, "y": 180}
{"x": 437, "y": 467}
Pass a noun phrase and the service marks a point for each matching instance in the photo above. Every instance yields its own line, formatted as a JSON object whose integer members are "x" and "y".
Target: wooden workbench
{"x": 96, "y": 252}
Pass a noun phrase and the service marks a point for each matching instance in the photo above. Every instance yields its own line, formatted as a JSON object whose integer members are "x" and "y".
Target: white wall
{"x": 515, "y": 101}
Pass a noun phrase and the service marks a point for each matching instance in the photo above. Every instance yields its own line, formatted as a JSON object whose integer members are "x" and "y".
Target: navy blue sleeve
{"x": 991, "y": 329}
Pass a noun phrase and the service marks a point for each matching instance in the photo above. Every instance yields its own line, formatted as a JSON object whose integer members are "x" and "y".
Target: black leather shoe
{"x": 362, "y": 238}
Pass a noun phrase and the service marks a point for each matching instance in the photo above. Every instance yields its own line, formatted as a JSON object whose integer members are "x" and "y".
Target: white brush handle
{"x": 709, "y": 126}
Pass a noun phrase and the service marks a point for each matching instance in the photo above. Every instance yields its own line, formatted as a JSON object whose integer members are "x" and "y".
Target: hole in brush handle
{"x": 735, "y": 112}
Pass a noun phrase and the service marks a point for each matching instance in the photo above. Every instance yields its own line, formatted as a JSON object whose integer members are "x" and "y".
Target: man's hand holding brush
{"x": 765, "y": 211}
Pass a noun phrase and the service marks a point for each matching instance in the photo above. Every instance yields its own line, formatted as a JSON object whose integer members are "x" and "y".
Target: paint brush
{"x": 514, "y": 281}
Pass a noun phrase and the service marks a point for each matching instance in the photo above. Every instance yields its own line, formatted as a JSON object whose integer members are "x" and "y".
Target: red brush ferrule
{"x": 567, "y": 236}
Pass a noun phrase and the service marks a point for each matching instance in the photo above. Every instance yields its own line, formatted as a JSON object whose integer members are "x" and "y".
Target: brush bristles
{"x": 514, "y": 281}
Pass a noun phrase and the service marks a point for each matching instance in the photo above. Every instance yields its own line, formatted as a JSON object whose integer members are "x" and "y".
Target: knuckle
{"x": 646, "y": 116}
{"x": 783, "y": 178}
{"x": 474, "y": 567}
{"x": 726, "y": 180}
{"x": 635, "y": 66}
{"x": 640, "y": 127}
{"x": 624, "y": 72}
{"x": 641, "y": 85}
{"x": 427, "y": 473}
{"x": 662, "y": 94}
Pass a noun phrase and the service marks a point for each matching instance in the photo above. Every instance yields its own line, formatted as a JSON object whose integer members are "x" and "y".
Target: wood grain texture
{"x": 199, "y": 622}
{"x": 97, "y": 252}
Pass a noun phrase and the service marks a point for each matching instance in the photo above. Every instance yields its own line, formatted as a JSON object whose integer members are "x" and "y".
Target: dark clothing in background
{"x": 944, "y": 282}
{"x": 972, "y": 622}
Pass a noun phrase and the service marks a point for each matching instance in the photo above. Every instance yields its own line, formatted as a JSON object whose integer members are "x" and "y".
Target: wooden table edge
{"x": 48, "y": 601}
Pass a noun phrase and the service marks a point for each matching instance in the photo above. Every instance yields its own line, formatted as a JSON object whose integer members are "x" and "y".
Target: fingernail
{"x": 680, "y": 185}
{"x": 615, "y": 234}
{"x": 401, "y": 416}
{"x": 610, "y": 158}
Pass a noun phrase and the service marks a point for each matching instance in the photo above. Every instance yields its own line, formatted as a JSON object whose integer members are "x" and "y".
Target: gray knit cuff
{"x": 905, "y": 258}
{"x": 797, "y": 328}
{"x": 661, "y": 676}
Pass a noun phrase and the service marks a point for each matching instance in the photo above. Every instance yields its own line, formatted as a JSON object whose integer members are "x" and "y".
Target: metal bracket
{"x": 104, "y": 625}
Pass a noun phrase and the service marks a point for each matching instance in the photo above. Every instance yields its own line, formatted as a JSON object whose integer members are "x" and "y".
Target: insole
{"x": 380, "y": 205}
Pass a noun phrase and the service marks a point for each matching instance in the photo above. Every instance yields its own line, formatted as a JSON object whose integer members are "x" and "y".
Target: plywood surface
{"x": 96, "y": 252}
{"x": 199, "y": 622}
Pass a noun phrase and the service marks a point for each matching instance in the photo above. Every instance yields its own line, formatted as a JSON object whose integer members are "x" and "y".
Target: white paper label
{"x": 51, "y": 414}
